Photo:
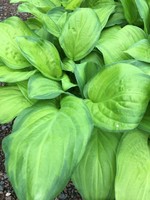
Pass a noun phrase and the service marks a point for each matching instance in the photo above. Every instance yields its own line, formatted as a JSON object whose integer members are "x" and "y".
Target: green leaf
{"x": 68, "y": 65}
{"x": 45, "y": 5}
{"x": 80, "y": 33}
{"x": 94, "y": 57}
{"x": 145, "y": 67}
{"x": 66, "y": 82}
{"x": 104, "y": 13}
{"x": 95, "y": 174}
{"x": 71, "y": 4}
{"x": 11, "y": 76}
{"x": 23, "y": 87}
{"x": 131, "y": 15}
{"x": 12, "y": 102}
{"x": 133, "y": 164}
{"x": 144, "y": 12}
{"x": 140, "y": 50}
{"x": 89, "y": 67}
{"x": 54, "y": 20}
{"x": 113, "y": 48}
{"x": 40, "y": 87}
{"x": 32, "y": 9}
{"x": 145, "y": 122}
{"x": 46, "y": 145}
{"x": 41, "y": 54}
{"x": 96, "y": 3}
{"x": 118, "y": 96}
{"x": 117, "y": 18}
{"x": 9, "y": 52}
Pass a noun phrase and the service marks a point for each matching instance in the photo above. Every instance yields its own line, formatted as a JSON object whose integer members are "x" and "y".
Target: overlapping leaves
{"x": 39, "y": 146}
{"x": 73, "y": 65}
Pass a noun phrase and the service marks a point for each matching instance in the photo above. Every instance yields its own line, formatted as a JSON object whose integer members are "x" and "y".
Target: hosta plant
{"x": 77, "y": 85}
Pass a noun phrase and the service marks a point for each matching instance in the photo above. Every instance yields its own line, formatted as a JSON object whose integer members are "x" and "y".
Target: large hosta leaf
{"x": 46, "y": 4}
{"x": 113, "y": 47}
{"x": 140, "y": 50}
{"x": 131, "y": 14}
{"x": 71, "y": 4}
{"x": 145, "y": 122}
{"x": 80, "y": 33}
{"x": 10, "y": 76}
{"x": 54, "y": 20}
{"x": 42, "y": 54}
{"x": 12, "y": 102}
{"x": 95, "y": 174}
{"x": 47, "y": 143}
{"x": 117, "y": 17}
{"x": 133, "y": 167}
{"x": 9, "y": 52}
{"x": 104, "y": 13}
{"x": 144, "y": 12}
{"x": 97, "y": 3}
{"x": 88, "y": 67}
{"x": 118, "y": 97}
{"x": 40, "y": 87}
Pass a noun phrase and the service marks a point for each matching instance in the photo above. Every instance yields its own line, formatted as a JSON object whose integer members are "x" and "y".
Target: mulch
{"x": 6, "y": 191}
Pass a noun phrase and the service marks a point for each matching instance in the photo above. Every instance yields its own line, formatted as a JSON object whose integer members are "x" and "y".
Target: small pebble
{"x": 7, "y": 194}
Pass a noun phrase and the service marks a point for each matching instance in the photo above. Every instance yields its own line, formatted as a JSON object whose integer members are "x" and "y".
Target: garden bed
{"x": 6, "y": 191}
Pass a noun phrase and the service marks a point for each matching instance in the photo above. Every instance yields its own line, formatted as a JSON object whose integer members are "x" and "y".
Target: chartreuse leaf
{"x": 11, "y": 76}
{"x": 95, "y": 174}
{"x": 45, "y": 5}
{"x": 84, "y": 72}
{"x": 144, "y": 12}
{"x": 42, "y": 54}
{"x": 113, "y": 48}
{"x": 117, "y": 17}
{"x": 46, "y": 145}
{"x": 54, "y": 20}
{"x": 131, "y": 15}
{"x": 68, "y": 65}
{"x": 71, "y": 4}
{"x": 80, "y": 33}
{"x": 40, "y": 87}
{"x": 89, "y": 66}
{"x": 12, "y": 102}
{"x": 145, "y": 122}
{"x": 66, "y": 82}
{"x": 30, "y": 8}
{"x": 9, "y": 52}
{"x": 145, "y": 67}
{"x": 96, "y": 3}
{"x": 118, "y": 96}
{"x": 94, "y": 57}
{"x": 140, "y": 50}
{"x": 133, "y": 164}
{"x": 104, "y": 13}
